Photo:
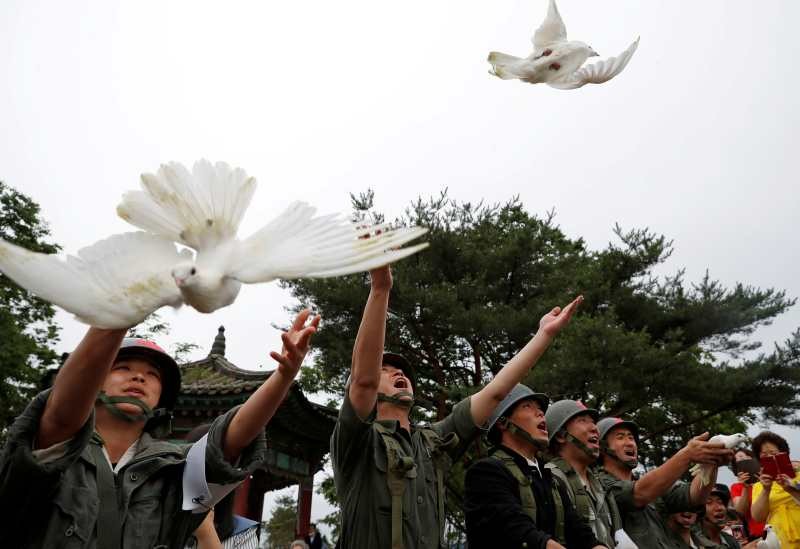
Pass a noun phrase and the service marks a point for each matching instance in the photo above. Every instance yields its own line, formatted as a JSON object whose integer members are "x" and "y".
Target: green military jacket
{"x": 597, "y": 507}
{"x": 646, "y": 525}
{"x": 703, "y": 540}
{"x": 55, "y": 504}
{"x": 361, "y": 471}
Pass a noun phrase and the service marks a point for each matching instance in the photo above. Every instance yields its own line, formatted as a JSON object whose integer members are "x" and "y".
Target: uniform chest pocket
{"x": 145, "y": 509}
{"x": 77, "y": 513}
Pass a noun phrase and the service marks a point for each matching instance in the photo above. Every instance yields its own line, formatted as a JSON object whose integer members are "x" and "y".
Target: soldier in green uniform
{"x": 390, "y": 474}
{"x": 81, "y": 468}
{"x": 714, "y": 518}
{"x": 575, "y": 445}
{"x": 684, "y": 532}
{"x": 644, "y": 524}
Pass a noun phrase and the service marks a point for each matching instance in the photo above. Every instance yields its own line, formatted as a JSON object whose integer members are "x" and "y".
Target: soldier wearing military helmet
{"x": 82, "y": 466}
{"x": 511, "y": 500}
{"x": 575, "y": 445}
{"x": 645, "y": 502}
{"x": 390, "y": 474}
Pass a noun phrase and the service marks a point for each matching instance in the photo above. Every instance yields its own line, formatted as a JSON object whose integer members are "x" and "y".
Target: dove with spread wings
{"x": 556, "y": 61}
{"x": 117, "y": 282}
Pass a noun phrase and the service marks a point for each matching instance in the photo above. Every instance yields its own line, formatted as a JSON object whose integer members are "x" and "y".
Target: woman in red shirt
{"x": 742, "y": 493}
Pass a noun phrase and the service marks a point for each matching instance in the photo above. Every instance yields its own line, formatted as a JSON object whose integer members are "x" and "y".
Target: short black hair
{"x": 769, "y": 436}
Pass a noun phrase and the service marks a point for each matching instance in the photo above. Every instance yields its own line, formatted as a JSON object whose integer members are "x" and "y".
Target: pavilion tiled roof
{"x": 217, "y": 384}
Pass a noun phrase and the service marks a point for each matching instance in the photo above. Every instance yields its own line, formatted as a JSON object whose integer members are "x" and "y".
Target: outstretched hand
{"x": 296, "y": 343}
{"x": 381, "y": 278}
{"x": 554, "y": 321}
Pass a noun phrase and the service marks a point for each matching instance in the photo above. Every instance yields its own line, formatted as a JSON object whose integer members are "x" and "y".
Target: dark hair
{"x": 769, "y": 436}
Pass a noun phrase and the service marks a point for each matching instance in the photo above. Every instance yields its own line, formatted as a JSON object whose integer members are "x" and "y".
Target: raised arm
{"x": 365, "y": 372}
{"x": 486, "y": 400}
{"x": 259, "y": 408}
{"x": 742, "y": 503}
{"x": 77, "y": 384}
{"x": 655, "y": 483}
{"x": 759, "y": 510}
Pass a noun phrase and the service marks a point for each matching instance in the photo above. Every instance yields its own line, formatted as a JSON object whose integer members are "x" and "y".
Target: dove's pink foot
{"x": 554, "y": 66}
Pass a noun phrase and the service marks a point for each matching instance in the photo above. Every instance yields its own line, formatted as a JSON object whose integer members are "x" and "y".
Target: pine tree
{"x": 675, "y": 357}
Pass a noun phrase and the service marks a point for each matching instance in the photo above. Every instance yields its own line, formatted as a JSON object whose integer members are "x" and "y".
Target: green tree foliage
{"x": 676, "y": 357}
{"x": 280, "y": 527}
{"x": 27, "y": 327}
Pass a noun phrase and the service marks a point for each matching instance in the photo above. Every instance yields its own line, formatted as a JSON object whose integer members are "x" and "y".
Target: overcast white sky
{"x": 696, "y": 139}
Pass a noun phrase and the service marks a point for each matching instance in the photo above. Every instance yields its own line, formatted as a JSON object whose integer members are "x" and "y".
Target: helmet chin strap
{"x": 396, "y": 400}
{"x": 629, "y": 463}
{"x": 110, "y": 403}
{"x": 521, "y": 433}
{"x": 593, "y": 454}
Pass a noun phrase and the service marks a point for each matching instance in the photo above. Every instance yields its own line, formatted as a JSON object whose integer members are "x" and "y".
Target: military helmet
{"x": 607, "y": 423}
{"x": 518, "y": 393}
{"x": 136, "y": 347}
{"x": 559, "y": 413}
{"x": 401, "y": 363}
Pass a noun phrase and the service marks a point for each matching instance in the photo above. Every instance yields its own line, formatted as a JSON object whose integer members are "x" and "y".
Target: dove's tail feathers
{"x": 199, "y": 209}
{"x": 695, "y": 469}
{"x": 114, "y": 283}
{"x": 596, "y": 73}
{"x": 296, "y": 245}
{"x": 501, "y": 65}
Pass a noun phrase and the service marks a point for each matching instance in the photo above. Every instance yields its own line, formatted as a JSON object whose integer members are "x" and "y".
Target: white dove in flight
{"x": 117, "y": 282}
{"x": 556, "y": 61}
{"x": 705, "y": 470}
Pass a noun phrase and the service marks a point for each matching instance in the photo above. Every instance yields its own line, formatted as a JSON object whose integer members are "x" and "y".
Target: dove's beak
{"x": 179, "y": 281}
{"x": 594, "y": 54}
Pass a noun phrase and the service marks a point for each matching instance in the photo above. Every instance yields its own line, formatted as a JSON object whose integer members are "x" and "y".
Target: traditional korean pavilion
{"x": 298, "y": 436}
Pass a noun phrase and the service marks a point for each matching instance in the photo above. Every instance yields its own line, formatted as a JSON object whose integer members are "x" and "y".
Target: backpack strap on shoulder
{"x": 109, "y": 523}
{"x": 399, "y": 467}
{"x": 439, "y": 450}
{"x": 525, "y": 490}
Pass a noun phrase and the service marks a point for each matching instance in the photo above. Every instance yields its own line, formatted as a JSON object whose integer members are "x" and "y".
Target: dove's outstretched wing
{"x": 199, "y": 209}
{"x": 596, "y": 73}
{"x": 502, "y": 65}
{"x": 297, "y": 244}
{"x": 114, "y": 283}
{"x": 551, "y": 31}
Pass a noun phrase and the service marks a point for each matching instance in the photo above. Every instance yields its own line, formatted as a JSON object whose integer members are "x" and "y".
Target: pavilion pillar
{"x": 305, "y": 490}
{"x": 241, "y": 499}
{"x": 249, "y": 499}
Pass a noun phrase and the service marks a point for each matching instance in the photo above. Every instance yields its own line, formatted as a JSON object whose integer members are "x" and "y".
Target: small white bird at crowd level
{"x": 770, "y": 540}
{"x": 556, "y": 61}
{"x": 729, "y": 441}
{"x": 117, "y": 282}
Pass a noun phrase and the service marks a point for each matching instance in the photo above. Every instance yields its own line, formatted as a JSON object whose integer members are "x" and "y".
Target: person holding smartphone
{"x": 776, "y": 499}
{"x": 746, "y": 467}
